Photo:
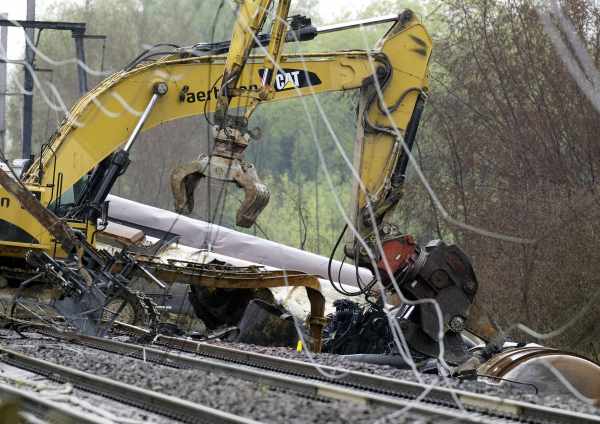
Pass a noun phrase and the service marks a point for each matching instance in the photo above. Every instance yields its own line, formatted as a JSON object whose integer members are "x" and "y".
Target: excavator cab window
{"x": 62, "y": 205}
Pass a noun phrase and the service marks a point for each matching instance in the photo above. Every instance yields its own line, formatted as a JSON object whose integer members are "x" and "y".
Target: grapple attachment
{"x": 225, "y": 164}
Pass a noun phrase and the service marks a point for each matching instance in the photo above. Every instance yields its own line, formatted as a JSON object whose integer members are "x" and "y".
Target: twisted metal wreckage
{"x": 53, "y": 215}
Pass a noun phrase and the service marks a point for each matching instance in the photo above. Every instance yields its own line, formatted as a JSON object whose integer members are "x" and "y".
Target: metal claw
{"x": 225, "y": 164}
{"x": 256, "y": 195}
{"x": 185, "y": 178}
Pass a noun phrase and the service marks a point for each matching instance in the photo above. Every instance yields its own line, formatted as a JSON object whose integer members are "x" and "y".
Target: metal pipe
{"x": 355, "y": 24}
{"x": 159, "y": 90}
{"x": 152, "y": 277}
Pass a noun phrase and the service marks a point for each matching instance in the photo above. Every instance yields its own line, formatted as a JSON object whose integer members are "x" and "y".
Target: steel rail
{"x": 523, "y": 411}
{"x": 170, "y": 406}
{"x": 40, "y": 408}
{"x": 350, "y": 385}
{"x": 305, "y": 387}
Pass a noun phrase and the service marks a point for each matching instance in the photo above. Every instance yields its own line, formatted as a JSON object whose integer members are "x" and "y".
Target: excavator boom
{"x": 399, "y": 64}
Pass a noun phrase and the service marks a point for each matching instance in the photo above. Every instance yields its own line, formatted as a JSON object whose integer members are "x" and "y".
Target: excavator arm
{"x": 117, "y": 104}
{"x": 398, "y": 64}
{"x": 392, "y": 78}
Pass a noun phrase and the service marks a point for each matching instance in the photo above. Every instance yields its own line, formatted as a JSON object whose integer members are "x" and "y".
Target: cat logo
{"x": 289, "y": 79}
{"x": 4, "y": 202}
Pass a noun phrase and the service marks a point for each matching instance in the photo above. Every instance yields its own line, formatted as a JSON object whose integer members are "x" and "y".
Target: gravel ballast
{"x": 75, "y": 399}
{"x": 515, "y": 391}
{"x": 209, "y": 389}
{"x": 260, "y": 402}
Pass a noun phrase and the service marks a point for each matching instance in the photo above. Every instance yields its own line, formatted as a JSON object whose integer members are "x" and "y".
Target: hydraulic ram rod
{"x": 120, "y": 159}
{"x": 302, "y": 34}
{"x": 159, "y": 90}
{"x": 358, "y": 23}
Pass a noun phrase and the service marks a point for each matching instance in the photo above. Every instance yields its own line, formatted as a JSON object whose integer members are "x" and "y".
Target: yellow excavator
{"x": 50, "y": 215}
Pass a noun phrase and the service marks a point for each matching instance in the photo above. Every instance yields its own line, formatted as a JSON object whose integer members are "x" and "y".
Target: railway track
{"x": 306, "y": 379}
{"x": 165, "y": 405}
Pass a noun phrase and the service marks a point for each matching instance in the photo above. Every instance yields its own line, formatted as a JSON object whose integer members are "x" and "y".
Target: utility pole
{"x": 80, "y": 52}
{"x": 28, "y": 84}
{"x": 3, "y": 84}
{"x": 77, "y": 30}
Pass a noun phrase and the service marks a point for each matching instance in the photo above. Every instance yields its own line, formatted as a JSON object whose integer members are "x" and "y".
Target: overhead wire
{"x": 208, "y": 238}
{"x": 407, "y": 357}
{"x": 338, "y": 244}
{"x": 209, "y": 149}
{"x": 303, "y": 226}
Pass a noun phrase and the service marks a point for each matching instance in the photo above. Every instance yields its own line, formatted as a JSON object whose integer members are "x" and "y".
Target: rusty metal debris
{"x": 221, "y": 276}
